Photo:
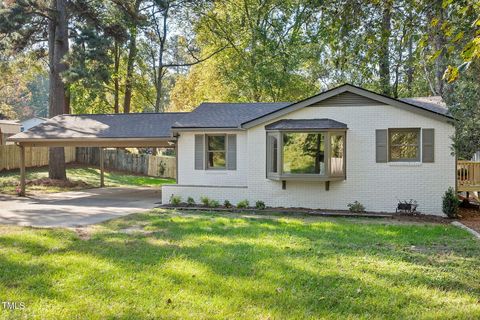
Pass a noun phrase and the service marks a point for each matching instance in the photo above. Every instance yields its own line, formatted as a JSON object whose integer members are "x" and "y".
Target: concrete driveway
{"x": 76, "y": 208}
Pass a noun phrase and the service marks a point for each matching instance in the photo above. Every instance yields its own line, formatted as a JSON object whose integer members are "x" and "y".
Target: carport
{"x": 98, "y": 130}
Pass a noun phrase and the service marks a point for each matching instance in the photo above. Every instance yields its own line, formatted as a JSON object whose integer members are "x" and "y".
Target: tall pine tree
{"x": 25, "y": 24}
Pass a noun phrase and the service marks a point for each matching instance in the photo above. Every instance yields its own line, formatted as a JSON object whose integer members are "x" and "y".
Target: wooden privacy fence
{"x": 118, "y": 159}
{"x": 34, "y": 156}
{"x": 468, "y": 176}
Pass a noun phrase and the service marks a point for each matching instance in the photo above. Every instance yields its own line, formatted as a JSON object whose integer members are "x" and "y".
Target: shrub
{"x": 450, "y": 203}
{"x": 356, "y": 207}
{"x": 190, "y": 201}
{"x": 260, "y": 205}
{"x": 205, "y": 201}
{"x": 214, "y": 203}
{"x": 175, "y": 200}
{"x": 227, "y": 204}
{"x": 243, "y": 204}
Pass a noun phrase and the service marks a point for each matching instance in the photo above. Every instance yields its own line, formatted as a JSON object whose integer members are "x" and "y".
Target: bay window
{"x": 303, "y": 153}
{"x": 337, "y": 151}
{"x": 306, "y": 155}
{"x": 272, "y": 150}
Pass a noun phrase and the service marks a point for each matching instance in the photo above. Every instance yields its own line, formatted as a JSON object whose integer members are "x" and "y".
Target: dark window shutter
{"x": 199, "y": 151}
{"x": 381, "y": 141}
{"x": 232, "y": 152}
{"x": 428, "y": 143}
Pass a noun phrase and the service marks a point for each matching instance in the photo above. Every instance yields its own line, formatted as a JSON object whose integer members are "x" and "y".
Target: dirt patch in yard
{"x": 83, "y": 233}
{"x": 421, "y": 218}
{"x": 137, "y": 229}
{"x": 46, "y": 182}
{"x": 471, "y": 218}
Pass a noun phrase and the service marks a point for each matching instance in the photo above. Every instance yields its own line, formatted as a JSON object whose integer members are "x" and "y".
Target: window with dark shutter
{"x": 216, "y": 151}
{"x": 381, "y": 139}
{"x": 199, "y": 151}
{"x": 428, "y": 142}
{"x": 404, "y": 145}
{"x": 232, "y": 152}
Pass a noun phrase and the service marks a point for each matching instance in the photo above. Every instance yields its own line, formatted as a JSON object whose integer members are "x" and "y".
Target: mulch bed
{"x": 319, "y": 212}
{"x": 471, "y": 217}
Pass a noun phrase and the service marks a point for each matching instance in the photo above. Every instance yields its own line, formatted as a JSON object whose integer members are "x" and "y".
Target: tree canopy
{"x": 171, "y": 55}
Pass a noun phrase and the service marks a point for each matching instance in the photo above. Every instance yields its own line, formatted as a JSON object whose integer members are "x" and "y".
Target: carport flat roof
{"x": 102, "y": 130}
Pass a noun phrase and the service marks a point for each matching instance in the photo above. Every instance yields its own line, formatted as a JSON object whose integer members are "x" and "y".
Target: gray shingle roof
{"x": 207, "y": 115}
{"x": 226, "y": 115}
{"x": 306, "y": 124}
{"x": 132, "y": 125}
{"x": 434, "y": 104}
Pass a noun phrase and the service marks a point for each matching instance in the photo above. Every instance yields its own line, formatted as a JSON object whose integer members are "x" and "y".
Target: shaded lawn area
{"x": 89, "y": 176}
{"x": 165, "y": 264}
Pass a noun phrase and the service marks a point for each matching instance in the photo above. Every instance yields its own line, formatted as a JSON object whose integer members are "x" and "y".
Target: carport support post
{"x": 102, "y": 178}
{"x": 22, "y": 171}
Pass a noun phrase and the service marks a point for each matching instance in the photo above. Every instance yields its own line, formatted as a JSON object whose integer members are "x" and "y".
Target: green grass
{"x": 228, "y": 266}
{"x": 91, "y": 176}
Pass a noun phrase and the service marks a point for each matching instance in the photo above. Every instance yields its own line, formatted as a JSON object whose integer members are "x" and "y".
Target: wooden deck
{"x": 468, "y": 176}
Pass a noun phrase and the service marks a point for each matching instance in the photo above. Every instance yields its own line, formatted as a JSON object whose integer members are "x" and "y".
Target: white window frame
{"x": 207, "y": 151}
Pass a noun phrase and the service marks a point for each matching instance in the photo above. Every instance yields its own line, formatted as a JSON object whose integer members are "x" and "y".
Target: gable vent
{"x": 347, "y": 99}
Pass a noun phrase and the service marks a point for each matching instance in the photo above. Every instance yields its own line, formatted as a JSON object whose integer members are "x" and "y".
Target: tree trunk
{"x": 161, "y": 70}
{"x": 159, "y": 89}
{"x": 132, "y": 55}
{"x": 132, "y": 48}
{"x": 439, "y": 42}
{"x": 116, "y": 82}
{"x": 384, "y": 54}
{"x": 410, "y": 69}
{"x": 58, "y": 100}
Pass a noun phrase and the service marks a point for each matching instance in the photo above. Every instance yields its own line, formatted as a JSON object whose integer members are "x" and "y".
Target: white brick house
{"x": 329, "y": 150}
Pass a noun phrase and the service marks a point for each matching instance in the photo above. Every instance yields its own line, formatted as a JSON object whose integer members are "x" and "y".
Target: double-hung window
{"x": 404, "y": 144}
{"x": 216, "y": 151}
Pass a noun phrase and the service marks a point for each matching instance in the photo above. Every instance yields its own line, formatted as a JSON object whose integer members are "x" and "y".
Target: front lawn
{"x": 164, "y": 264}
{"x": 89, "y": 178}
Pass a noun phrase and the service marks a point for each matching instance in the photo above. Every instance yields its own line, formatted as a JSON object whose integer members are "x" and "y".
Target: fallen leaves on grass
{"x": 47, "y": 182}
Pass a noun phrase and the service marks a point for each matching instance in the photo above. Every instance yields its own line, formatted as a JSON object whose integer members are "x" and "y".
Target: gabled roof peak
{"x": 408, "y": 104}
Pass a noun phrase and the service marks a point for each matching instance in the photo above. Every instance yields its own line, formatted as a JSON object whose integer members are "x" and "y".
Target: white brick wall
{"x": 186, "y": 165}
{"x": 376, "y": 185}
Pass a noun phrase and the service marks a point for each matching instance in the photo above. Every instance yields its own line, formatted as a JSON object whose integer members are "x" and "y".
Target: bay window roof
{"x": 306, "y": 124}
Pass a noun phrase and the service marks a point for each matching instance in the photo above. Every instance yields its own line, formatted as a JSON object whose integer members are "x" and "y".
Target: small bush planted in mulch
{"x": 175, "y": 200}
{"x": 450, "y": 203}
{"x": 356, "y": 207}
{"x": 227, "y": 204}
{"x": 190, "y": 201}
{"x": 260, "y": 205}
{"x": 243, "y": 204}
{"x": 205, "y": 201}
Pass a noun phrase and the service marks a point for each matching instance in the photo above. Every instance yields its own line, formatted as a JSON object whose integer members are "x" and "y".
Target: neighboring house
{"x": 476, "y": 156}
{"x": 326, "y": 151}
{"x": 8, "y": 128}
{"x": 32, "y": 122}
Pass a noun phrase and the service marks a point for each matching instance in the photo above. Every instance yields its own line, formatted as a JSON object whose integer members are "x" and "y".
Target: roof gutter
{"x": 206, "y": 129}
{"x": 95, "y": 142}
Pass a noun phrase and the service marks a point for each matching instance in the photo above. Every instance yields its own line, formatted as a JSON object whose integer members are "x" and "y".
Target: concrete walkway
{"x": 76, "y": 208}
